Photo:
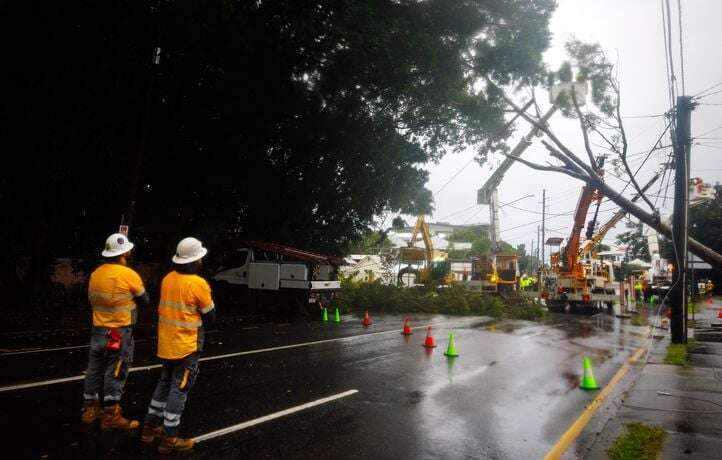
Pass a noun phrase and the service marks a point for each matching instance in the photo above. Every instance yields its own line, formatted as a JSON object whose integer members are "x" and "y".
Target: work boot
{"x": 113, "y": 419}
{"x": 174, "y": 444}
{"x": 90, "y": 412}
{"x": 151, "y": 432}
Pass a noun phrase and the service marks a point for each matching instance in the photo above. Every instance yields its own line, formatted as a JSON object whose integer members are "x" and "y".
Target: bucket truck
{"x": 499, "y": 271}
{"x": 585, "y": 286}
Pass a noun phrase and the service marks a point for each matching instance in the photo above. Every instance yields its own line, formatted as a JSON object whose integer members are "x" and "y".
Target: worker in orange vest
{"x": 185, "y": 307}
{"x": 113, "y": 291}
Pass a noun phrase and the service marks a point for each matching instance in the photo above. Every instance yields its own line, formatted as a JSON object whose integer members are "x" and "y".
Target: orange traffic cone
{"x": 719, "y": 315}
{"x": 407, "y": 328}
{"x": 367, "y": 320}
{"x": 429, "y": 342}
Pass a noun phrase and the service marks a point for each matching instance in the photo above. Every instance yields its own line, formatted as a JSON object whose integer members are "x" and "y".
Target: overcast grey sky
{"x": 630, "y": 31}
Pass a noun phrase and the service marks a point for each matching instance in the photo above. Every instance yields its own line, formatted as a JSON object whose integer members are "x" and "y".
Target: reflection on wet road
{"x": 510, "y": 394}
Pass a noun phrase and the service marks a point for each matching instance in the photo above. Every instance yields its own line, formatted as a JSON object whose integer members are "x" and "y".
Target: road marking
{"x": 576, "y": 428}
{"x": 10, "y": 352}
{"x": 273, "y": 416}
{"x": 38, "y": 350}
{"x": 42, "y": 383}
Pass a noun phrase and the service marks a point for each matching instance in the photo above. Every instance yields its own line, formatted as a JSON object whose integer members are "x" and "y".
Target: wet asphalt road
{"x": 511, "y": 394}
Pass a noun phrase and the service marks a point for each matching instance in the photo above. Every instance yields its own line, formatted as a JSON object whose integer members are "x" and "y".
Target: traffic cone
{"x": 407, "y": 328}
{"x": 337, "y": 316}
{"x": 367, "y": 320}
{"x": 451, "y": 349}
{"x": 719, "y": 315}
{"x": 588, "y": 380}
{"x": 429, "y": 342}
{"x": 325, "y": 314}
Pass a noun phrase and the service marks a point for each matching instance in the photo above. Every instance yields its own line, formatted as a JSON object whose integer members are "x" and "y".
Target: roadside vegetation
{"x": 677, "y": 353}
{"x": 639, "y": 442}
{"x": 454, "y": 300}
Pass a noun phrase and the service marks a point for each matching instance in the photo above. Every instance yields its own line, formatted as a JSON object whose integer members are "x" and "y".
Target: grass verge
{"x": 677, "y": 353}
{"x": 639, "y": 442}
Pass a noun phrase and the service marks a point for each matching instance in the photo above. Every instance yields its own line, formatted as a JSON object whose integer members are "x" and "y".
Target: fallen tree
{"x": 592, "y": 67}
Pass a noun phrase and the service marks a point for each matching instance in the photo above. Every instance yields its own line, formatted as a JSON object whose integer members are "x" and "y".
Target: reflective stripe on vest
{"x": 180, "y": 324}
{"x": 177, "y": 306}
{"x": 112, "y": 310}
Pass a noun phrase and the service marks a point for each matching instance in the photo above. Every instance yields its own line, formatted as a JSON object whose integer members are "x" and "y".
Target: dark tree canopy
{"x": 289, "y": 121}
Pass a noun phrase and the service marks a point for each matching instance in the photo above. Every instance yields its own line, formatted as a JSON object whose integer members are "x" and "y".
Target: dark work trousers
{"x": 169, "y": 398}
{"x": 108, "y": 369}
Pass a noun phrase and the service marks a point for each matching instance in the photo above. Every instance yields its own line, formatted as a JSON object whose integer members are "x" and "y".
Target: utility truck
{"x": 260, "y": 274}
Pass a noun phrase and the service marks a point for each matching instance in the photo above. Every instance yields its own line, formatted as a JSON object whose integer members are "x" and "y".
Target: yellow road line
{"x": 576, "y": 428}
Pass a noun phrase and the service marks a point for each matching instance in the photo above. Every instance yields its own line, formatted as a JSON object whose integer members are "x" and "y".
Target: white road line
{"x": 273, "y": 416}
{"x": 42, "y": 383}
{"x": 43, "y": 350}
{"x": 40, "y": 350}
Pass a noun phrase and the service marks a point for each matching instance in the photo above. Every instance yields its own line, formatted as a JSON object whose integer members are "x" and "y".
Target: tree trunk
{"x": 695, "y": 247}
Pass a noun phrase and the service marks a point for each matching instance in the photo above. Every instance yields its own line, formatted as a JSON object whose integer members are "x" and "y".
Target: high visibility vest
{"x": 183, "y": 298}
{"x": 111, "y": 292}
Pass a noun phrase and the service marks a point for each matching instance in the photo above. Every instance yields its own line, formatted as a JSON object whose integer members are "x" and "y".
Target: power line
{"x": 681, "y": 46}
{"x": 705, "y": 90}
{"x": 455, "y": 175}
{"x": 667, "y": 56}
{"x": 457, "y": 212}
{"x": 708, "y": 132}
{"x": 673, "y": 78}
{"x": 708, "y": 94}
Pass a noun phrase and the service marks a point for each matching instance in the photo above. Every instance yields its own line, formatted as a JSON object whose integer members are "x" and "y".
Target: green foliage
{"x": 636, "y": 241}
{"x": 639, "y": 442}
{"x": 454, "y": 300}
{"x": 705, "y": 225}
{"x": 626, "y": 270}
{"x": 677, "y": 354}
{"x": 372, "y": 242}
{"x": 288, "y": 121}
{"x": 470, "y": 233}
{"x": 399, "y": 223}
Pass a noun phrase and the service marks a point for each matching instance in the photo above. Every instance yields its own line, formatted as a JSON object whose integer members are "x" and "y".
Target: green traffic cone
{"x": 451, "y": 350}
{"x": 325, "y": 314}
{"x": 588, "y": 380}
{"x": 337, "y": 317}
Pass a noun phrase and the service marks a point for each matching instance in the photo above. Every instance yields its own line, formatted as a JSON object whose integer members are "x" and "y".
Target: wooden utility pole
{"x": 678, "y": 294}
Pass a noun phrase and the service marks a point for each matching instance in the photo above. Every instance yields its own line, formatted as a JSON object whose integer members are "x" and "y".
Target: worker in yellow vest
{"x": 185, "y": 307}
{"x": 113, "y": 291}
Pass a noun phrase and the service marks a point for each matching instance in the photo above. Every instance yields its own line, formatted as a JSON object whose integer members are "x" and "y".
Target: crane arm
{"x": 426, "y": 235}
{"x": 417, "y": 227}
{"x": 616, "y": 218}
{"x": 483, "y": 195}
{"x": 580, "y": 215}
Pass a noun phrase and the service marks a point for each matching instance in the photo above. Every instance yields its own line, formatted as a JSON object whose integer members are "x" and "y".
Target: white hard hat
{"x": 189, "y": 250}
{"x": 117, "y": 244}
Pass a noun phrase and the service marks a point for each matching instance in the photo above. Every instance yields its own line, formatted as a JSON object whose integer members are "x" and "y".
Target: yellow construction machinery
{"x": 436, "y": 268}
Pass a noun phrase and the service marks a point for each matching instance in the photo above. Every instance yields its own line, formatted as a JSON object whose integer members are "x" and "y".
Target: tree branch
{"x": 545, "y": 129}
{"x": 583, "y": 126}
{"x": 623, "y": 154}
{"x": 568, "y": 172}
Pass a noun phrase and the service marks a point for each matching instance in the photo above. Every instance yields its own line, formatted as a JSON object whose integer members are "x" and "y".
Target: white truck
{"x": 266, "y": 275}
